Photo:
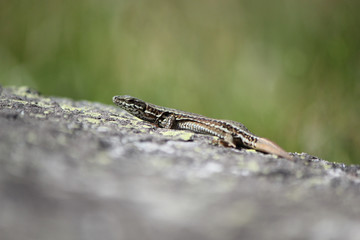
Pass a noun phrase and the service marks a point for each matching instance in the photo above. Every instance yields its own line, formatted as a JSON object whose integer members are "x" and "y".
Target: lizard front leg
{"x": 167, "y": 121}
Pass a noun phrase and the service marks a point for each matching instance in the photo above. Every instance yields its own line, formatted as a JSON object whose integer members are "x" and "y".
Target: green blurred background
{"x": 289, "y": 70}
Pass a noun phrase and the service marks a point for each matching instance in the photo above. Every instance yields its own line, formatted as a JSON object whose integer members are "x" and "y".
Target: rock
{"x": 82, "y": 170}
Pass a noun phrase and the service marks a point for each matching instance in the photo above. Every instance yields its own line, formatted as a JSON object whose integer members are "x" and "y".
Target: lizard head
{"x": 131, "y": 104}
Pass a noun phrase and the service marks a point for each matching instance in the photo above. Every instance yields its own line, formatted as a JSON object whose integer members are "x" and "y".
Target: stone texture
{"x": 82, "y": 170}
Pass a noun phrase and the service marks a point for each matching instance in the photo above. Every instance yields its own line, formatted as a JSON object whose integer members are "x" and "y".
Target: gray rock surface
{"x": 82, "y": 170}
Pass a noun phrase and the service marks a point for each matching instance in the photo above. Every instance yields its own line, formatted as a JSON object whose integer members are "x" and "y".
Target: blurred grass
{"x": 289, "y": 70}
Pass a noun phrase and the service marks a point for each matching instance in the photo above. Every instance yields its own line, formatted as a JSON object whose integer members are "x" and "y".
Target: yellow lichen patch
{"x": 20, "y": 101}
{"x": 201, "y": 150}
{"x": 250, "y": 150}
{"x": 92, "y": 120}
{"x": 38, "y": 116}
{"x": 146, "y": 126}
{"x": 45, "y": 102}
{"x": 316, "y": 181}
{"x": 327, "y": 166}
{"x": 253, "y": 166}
{"x": 250, "y": 166}
{"x": 103, "y": 159}
{"x": 24, "y": 91}
{"x": 93, "y": 114}
{"x": 117, "y": 111}
{"x": 67, "y": 107}
{"x": 183, "y": 135}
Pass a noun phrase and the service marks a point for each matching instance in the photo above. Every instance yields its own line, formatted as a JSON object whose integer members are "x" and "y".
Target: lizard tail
{"x": 267, "y": 146}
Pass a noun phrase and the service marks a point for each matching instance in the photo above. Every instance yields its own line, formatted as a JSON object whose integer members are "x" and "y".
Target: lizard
{"x": 231, "y": 134}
